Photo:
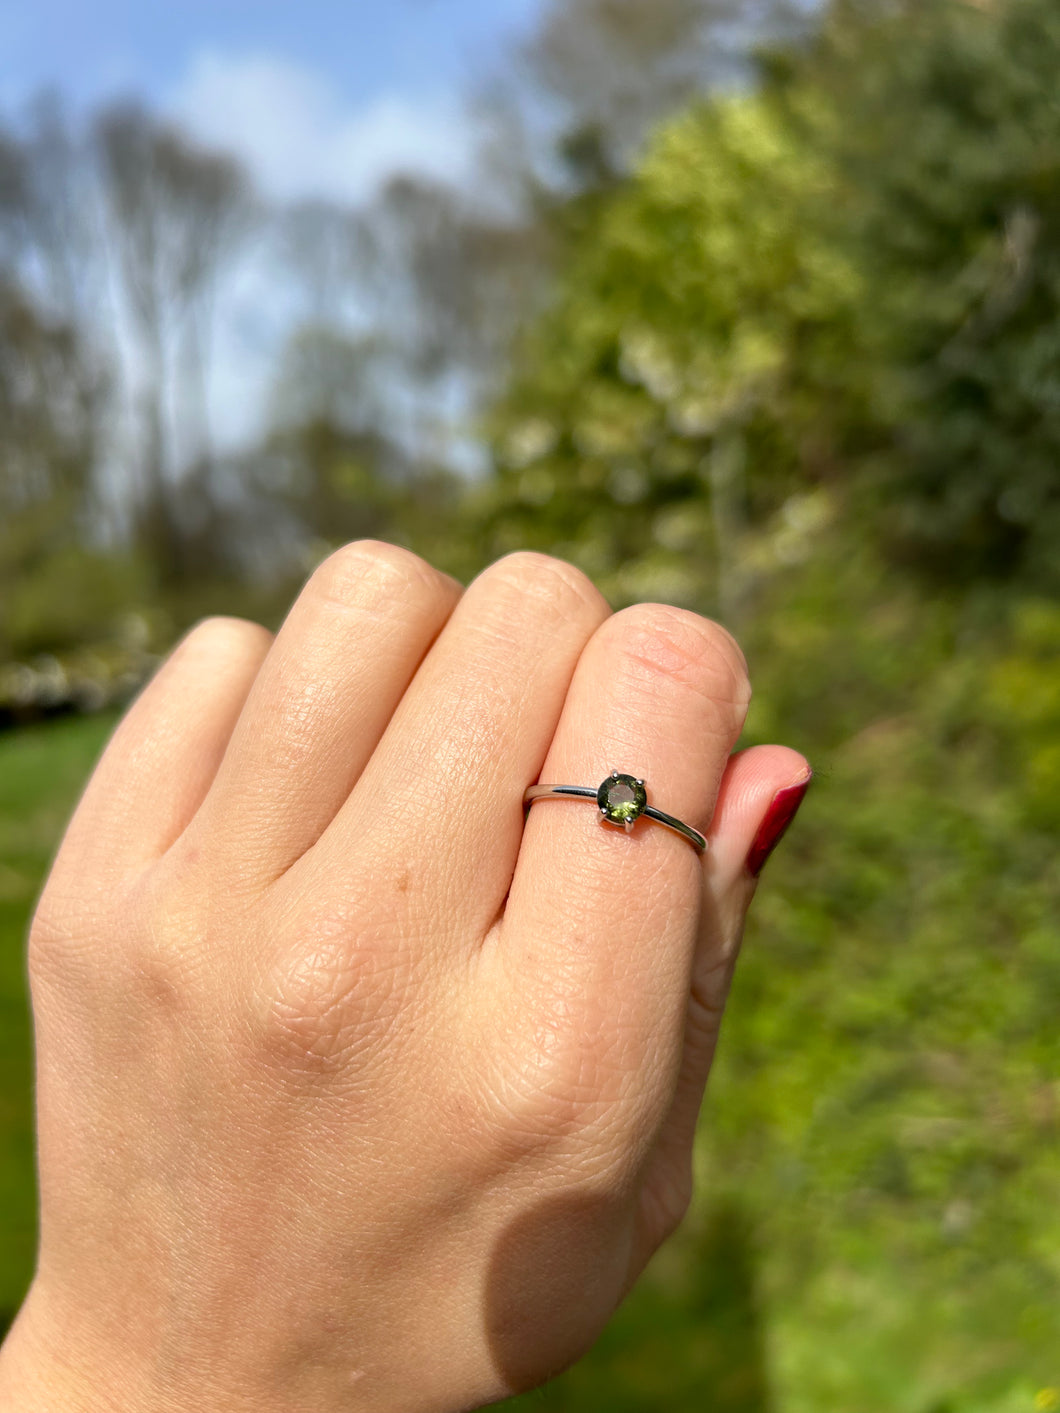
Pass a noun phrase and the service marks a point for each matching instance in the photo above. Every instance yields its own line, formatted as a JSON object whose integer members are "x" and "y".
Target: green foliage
{"x": 942, "y": 124}
{"x": 53, "y": 593}
{"x": 659, "y": 400}
{"x": 69, "y": 597}
{"x": 845, "y": 278}
{"x": 886, "y": 1089}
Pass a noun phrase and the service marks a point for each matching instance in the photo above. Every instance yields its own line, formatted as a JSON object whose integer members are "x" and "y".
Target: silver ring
{"x": 621, "y": 799}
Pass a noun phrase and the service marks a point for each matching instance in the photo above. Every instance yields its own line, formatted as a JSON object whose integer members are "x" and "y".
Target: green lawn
{"x": 878, "y": 1222}
{"x": 42, "y": 770}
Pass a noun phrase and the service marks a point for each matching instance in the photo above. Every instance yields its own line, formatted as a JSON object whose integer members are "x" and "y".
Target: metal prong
{"x": 614, "y": 775}
{"x": 629, "y": 825}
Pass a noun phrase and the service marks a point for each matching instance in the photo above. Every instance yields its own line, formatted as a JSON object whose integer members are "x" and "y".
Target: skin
{"x": 355, "y": 1091}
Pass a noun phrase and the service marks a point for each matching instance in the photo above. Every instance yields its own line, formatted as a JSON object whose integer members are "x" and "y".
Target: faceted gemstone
{"x": 622, "y": 798}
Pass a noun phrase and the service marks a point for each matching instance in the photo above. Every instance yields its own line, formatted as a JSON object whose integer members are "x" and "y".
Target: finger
{"x": 601, "y": 926}
{"x": 338, "y": 668}
{"x": 472, "y": 729}
{"x": 163, "y": 756}
{"x": 760, "y": 792}
{"x": 759, "y": 783}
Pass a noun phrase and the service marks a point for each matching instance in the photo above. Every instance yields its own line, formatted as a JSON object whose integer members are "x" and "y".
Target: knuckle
{"x": 222, "y": 631}
{"x": 533, "y": 1117}
{"x": 368, "y": 572}
{"x": 158, "y": 984}
{"x": 324, "y": 1007}
{"x": 159, "y": 965}
{"x": 135, "y": 954}
{"x": 557, "y": 1092}
{"x": 541, "y": 579}
{"x": 677, "y": 644}
{"x": 58, "y": 945}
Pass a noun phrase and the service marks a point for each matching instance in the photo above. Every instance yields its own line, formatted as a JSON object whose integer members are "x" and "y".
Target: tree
{"x": 940, "y": 122}
{"x": 176, "y": 213}
{"x": 672, "y": 397}
{"x": 835, "y": 294}
{"x": 56, "y": 588}
{"x": 577, "y": 99}
{"x": 615, "y": 68}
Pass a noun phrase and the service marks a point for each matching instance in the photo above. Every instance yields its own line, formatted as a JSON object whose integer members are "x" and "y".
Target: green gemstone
{"x": 622, "y": 798}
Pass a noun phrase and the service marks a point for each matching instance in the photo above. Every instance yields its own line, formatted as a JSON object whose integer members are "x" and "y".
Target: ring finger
{"x": 600, "y": 930}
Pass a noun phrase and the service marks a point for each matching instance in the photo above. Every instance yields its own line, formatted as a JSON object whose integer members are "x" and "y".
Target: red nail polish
{"x": 781, "y": 812}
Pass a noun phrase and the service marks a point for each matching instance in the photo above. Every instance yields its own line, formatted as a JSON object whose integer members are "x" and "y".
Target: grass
{"x": 42, "y": 770}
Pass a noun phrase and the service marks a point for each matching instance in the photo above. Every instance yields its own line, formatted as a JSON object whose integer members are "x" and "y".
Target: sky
{"x": 319, "y": 97}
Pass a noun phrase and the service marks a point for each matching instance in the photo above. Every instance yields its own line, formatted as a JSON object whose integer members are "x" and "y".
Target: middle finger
{"x": 444, "y": 787}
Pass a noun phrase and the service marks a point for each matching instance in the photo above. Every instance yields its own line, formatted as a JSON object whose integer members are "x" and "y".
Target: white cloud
{"x": 301, "y": 138}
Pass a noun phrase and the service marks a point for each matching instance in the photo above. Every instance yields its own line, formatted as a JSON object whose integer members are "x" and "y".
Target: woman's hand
{"x": 355, "y": 1090}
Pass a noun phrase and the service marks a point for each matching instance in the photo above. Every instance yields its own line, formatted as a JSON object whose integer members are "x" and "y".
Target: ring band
{"x": 621, "y": 799}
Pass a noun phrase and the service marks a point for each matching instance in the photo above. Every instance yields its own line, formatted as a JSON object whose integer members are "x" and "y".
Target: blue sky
{"x": 319, "y": 98}
{"x": 91, "y": 46}
{"x": 317, "y": 95}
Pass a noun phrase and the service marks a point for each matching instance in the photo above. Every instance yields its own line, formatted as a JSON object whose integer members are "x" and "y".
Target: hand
{"x": 355, "y": 1091}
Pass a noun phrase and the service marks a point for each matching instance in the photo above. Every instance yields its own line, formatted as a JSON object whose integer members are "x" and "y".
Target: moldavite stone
{"x": 622, "y": 798}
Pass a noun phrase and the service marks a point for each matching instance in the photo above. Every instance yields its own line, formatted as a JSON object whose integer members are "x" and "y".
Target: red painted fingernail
{"x": 782, "y": 810}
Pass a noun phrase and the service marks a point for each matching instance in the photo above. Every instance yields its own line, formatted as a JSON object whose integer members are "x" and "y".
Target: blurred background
{"x": 752, "y": 307}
